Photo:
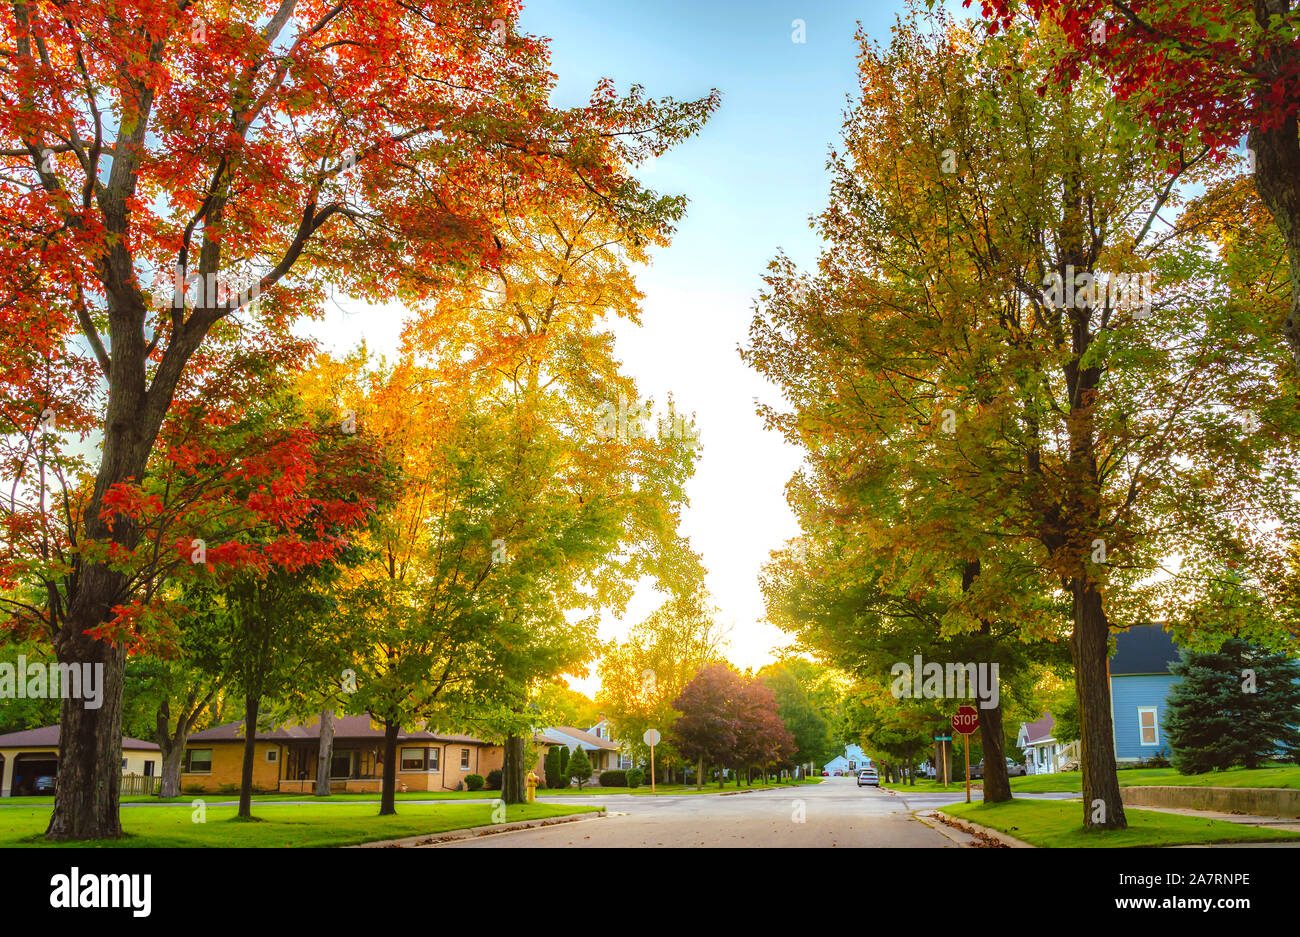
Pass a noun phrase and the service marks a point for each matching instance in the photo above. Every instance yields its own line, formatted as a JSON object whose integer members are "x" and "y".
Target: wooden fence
{"x": 138, "y": 785}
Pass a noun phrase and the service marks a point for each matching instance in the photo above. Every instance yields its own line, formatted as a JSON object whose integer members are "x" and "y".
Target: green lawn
{"x": 928, "y": 786}
{"x": 1275, "y": 776}
{"x": 275, "y": 798}
{"x": 1057, "y": 823}
{"x": 325, "y": 824}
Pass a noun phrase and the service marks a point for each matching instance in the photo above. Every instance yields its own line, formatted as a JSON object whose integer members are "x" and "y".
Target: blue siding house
{"x": 1139, "y": 686}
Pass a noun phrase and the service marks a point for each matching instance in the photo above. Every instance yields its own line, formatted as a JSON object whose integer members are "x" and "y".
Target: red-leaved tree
{"x": 174, "y": 168}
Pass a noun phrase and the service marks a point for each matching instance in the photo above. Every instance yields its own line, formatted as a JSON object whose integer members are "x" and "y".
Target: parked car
{"x": 868, "y": 777}
{"x": 45, "y": 784}
{"x": 1013, "y": 770}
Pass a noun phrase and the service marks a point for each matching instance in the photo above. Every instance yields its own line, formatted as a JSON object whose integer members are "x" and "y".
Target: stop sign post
{"x": 966, "y": 722}
{"x": 651, "y": 738}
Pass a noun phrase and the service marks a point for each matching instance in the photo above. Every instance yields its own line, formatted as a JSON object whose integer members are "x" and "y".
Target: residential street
{"x": 834, "y": 813}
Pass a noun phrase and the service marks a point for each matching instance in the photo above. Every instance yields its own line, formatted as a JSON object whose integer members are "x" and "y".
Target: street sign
{"x": 943, "y": 738}
{"x": 651, "y": 738}
{"x": 966, "y": 721}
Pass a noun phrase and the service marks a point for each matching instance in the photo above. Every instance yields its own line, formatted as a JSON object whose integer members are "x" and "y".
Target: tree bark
{"x": 1102, "y": 806}
{"x": 1277, "y": 180}
{"x": 513, "y": 788}
{"x": 251, "y": 705}
{"x": 326, "y": 753}
{"x": 997, "y": 785}
{"x": 699, "y": 776}
{"x": 90, "y": 750}
{"x": 388, "y": 792}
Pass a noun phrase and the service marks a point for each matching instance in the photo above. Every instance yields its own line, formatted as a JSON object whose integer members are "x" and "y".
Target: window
{"x": 123, "y": 764}
{"x": 1147, "y": 728}
{"x": 419, "y": 759}
{"x": 341, "y": 765}
{"x": 198, "y": 761}
{"x": 464, "y": 759}
{"x": 272, "y": 754}
{"x": 148, "y": 769}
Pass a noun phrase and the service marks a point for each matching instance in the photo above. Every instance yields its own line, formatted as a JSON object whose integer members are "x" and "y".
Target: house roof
{"x": 48, "y": 737}
{"x": 585, "y": 739}
{"x": 1143, "y": 649}
{"x": 1040, "y": 730}
{"x": 547, "y": 739}
{"x": 345, "y": 727}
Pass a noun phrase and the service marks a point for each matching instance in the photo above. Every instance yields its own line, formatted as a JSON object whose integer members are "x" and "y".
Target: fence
{"x": 138, "y": 785}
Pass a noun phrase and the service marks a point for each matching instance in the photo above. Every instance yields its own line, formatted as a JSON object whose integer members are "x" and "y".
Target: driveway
{"x": 835, "y": 813}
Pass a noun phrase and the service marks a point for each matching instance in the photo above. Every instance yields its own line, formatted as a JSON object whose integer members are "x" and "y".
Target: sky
{"x": 755, "y": 175}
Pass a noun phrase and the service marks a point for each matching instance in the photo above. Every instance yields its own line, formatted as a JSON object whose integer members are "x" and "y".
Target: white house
{"x": 853, "y": 759}
{"x": 1044, "y": 754}
{"x": 601, "y": 751}
{"x": 605, "y": 730}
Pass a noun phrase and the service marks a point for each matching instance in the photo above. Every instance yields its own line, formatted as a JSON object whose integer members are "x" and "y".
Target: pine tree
{"x": 579, "y": 767}
{"x": 1239, "y": 705}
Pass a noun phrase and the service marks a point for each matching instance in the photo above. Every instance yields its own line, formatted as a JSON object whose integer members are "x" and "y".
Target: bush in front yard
{"x": 615, "y": 777}
{"x": 494, "y": 779}
{"x": 473, "y": 782}
{"x": 635, "y": 777}
{"x": 579, "y": 767}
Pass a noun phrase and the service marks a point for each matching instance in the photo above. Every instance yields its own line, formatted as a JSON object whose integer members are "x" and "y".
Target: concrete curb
{"x": 451, "y": 836}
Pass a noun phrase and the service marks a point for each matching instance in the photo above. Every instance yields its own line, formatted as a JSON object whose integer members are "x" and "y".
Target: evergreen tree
{"x": 579, "y": 767}
{"x": 552, "y": 767}
{"x": 1239, "y": 705}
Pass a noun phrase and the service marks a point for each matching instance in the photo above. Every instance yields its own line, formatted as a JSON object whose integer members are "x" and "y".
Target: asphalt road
{"x": 835, "y": 813}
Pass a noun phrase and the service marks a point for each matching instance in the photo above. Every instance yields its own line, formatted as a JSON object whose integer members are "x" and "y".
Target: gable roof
{"x": 48, "y": 737}
{"x": 1040, "y": 730}
{"x": 345, "y": 727}
{"x": 585, "y": 739}
{"x": 1143, "y": 649}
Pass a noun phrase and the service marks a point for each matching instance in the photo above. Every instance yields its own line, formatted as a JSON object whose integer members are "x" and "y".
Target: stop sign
{"x": 966, "y": 721}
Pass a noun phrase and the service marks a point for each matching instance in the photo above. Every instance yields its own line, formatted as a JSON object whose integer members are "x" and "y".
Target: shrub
{"x": 564, "y": 762}
{"x": 228, "y": 789}
{"x": 579, "y": 767}
{"x": 635, "y": 777}
{"x": 494, "y": 779}
{"x": 192, "y": 789}
{"x": 615, "y": 777}
{"x": 551, "y": 767}
{"x": 474, "y": 782}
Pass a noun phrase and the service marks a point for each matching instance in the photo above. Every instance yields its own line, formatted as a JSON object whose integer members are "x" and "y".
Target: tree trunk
{"x": 1277, "y": 179}
{"x": 388, "y": 789}
{"x": 1102, "y": 807}
{"x": 90, "y": 749}
{"x": 699, "y": 776}
{"x": 997, "y": 785}
{"x": 251, "y": 705}
{"x": 173, "y": 761}
{"x": 326, "y": 753}
{"x": 513, "y": 788}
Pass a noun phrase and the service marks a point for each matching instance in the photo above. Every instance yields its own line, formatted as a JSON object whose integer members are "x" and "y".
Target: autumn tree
{"x": 641, "y": 675}
{"x": 1044, "y": 428}
{"x": 215, "y": 155}
{"x": 708, "y": 729}
{"x": 1224, "y": 70}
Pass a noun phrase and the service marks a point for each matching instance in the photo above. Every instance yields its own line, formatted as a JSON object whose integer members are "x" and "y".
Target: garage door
{"x": 29, "y": 768}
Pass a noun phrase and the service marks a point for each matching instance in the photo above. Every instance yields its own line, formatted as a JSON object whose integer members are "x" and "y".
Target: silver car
{"x": 868, "y": 776}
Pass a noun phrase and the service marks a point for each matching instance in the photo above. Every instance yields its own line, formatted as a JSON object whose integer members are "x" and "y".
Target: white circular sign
{"x": 651, "y": 737}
